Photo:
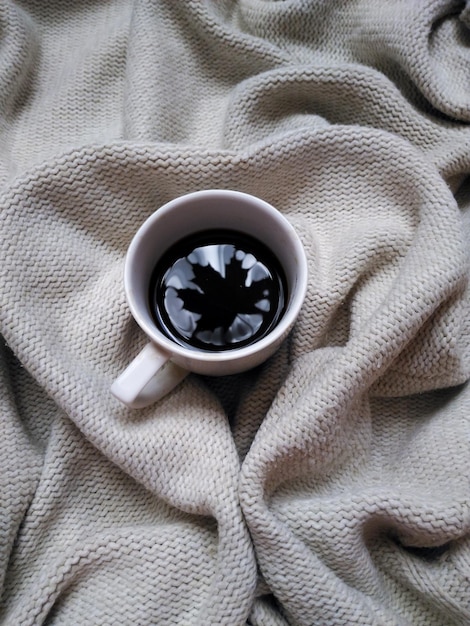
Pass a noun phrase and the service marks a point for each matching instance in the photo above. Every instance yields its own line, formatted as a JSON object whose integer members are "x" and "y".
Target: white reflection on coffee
{"x": 218, "y": 290}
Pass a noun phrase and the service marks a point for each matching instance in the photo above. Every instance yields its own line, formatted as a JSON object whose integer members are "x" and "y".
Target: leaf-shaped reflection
{"x": 218, "y": 290}
{"x": 220, "y": 299}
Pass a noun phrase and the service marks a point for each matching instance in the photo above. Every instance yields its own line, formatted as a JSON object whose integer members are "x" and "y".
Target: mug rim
{"x": 275, "y": 335}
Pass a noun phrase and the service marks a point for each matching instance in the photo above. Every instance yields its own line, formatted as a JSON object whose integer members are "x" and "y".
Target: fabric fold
{"x": 328, "y": 486}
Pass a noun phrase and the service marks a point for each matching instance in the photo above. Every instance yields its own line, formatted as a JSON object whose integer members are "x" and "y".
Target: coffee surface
{"x": 217, "y": 290}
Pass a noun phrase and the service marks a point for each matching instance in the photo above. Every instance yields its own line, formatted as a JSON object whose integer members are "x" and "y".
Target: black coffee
{"x": 217, "y": 290}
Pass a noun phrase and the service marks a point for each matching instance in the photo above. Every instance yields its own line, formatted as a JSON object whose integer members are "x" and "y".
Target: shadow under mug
{"x": 163, "y": 363}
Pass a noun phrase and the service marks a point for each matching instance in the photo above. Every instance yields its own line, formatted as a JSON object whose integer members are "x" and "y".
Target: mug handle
{"x": 149, "y": 377}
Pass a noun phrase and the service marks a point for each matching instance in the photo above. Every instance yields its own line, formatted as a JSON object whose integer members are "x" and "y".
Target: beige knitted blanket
{"x": 331, "y": 485}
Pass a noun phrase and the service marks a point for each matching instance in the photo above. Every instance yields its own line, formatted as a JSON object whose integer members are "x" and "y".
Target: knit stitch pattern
{"x": 328, "y": 486}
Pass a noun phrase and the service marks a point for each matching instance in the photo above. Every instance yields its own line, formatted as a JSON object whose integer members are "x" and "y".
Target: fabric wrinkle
{"x": 330, "y": 485}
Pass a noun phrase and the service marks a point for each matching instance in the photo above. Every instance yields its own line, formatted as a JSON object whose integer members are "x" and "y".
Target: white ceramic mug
{"x": 163, "y": 363}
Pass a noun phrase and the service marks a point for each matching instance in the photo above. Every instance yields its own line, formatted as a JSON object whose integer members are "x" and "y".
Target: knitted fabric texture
{"x": 330, "y": 486}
